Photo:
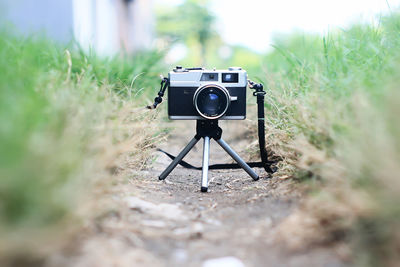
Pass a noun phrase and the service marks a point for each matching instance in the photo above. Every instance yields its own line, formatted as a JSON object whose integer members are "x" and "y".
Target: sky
{"x": 253, "y": 23}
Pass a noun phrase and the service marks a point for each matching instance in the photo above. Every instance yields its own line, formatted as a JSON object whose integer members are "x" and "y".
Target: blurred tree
{"x": 192, "y": 23}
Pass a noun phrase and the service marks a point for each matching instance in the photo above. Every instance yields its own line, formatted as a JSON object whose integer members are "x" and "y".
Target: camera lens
{"x": 211, "y": 104}
{"x": 212, "y": 101}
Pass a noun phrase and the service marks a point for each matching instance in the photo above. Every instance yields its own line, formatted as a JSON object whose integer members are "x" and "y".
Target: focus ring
{"x": 219, "y": 91}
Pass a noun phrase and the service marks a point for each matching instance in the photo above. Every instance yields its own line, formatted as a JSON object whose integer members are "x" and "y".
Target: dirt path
{"x": 171, "y": 223}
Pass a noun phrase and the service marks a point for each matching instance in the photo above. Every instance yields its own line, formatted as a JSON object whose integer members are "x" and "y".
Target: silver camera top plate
{"x": 196, "y": 77}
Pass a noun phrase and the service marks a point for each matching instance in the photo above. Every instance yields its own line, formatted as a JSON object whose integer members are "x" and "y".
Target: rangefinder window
{"x": 209, "y": 77}
{"x": 230, "y": 77}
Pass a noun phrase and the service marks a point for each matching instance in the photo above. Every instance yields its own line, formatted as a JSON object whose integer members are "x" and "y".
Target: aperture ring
{"x": 216, "y": 86}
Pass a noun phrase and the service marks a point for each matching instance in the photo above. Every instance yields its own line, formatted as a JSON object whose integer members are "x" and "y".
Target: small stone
{"x": 152, "y": 223}
{"x": 197, "y": 231}
{"x": 180, "y": 255}
{"x": 268, "y": 222}
{"x": 225, "y": 261}
{"x": 198, "y": 227}
{"x": 164, "y": 210}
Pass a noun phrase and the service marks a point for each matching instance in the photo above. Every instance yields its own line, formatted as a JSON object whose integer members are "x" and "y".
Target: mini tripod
{"x": 208, "y": 129}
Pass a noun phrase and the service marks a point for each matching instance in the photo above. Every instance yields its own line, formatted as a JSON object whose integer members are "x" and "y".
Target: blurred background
{"x": 75, "y": 76}
{"x": 193, "y": 32}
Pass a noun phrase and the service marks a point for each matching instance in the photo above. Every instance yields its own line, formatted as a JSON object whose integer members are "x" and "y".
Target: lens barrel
{"x": 211, "y": 101}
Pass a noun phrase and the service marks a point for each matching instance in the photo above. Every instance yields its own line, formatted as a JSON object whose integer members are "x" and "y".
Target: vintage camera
{"x": 208, "y": 96}
{"x": 197, "y": 93}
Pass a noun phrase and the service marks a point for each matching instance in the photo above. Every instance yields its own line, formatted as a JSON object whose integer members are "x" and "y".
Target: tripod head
{"x": 208, "y": 128}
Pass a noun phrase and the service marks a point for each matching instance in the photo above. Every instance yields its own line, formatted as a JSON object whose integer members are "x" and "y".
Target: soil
{"x": 147, "y": 222}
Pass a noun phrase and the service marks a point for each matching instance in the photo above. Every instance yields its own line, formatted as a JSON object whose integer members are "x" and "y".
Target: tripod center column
{"x": 206, "y": 156}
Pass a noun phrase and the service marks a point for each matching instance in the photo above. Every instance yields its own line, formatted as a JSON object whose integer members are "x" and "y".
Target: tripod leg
{"x": 178, "y": 159}
{"x": 238, "y": 159}
{"x": 206, "y": 156}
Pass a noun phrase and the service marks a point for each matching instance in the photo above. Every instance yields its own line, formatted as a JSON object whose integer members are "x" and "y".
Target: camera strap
{"x": 265, "y": 162}
{"x": 161, "y": 92}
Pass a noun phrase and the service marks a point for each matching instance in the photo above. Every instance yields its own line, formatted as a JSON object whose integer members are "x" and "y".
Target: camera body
{"x": 198, "y": 93}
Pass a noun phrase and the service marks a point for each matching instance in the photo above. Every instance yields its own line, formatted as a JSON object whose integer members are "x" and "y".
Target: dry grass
{"x": 71, "y": 123}
{"x": 337, "y": 132}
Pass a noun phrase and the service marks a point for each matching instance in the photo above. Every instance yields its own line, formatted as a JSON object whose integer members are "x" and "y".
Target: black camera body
{"x": 197, "y": 93}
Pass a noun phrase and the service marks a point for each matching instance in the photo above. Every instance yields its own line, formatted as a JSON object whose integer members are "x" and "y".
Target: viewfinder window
{"x": 230, "y": 77}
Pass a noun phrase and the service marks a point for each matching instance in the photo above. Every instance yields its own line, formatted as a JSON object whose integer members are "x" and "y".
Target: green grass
{"x": 340, "y": 94}
{"x": 332, "y": 113}
{"x": 65, "y": 117}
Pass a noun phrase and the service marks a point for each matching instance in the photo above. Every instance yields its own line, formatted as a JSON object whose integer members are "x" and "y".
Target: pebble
{"x": 156, "y": 224}
{"x": 164, "y": 210}
{"x": 194, "y": 231}
{"x": 180, "y": 255}
{"x": 225, "y": 261}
